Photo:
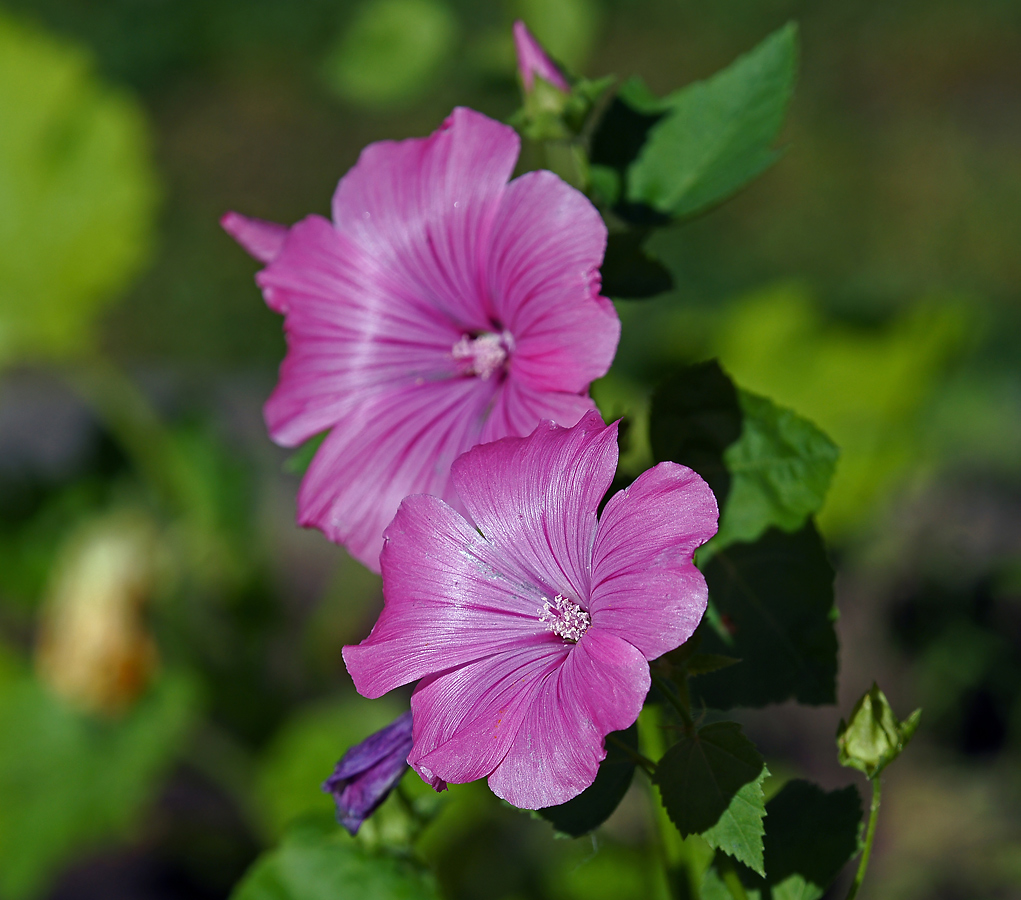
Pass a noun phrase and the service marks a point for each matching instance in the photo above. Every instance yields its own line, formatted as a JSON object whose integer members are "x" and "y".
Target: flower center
{"x": 484, "y": 354}
{"x": 564, "y": 618}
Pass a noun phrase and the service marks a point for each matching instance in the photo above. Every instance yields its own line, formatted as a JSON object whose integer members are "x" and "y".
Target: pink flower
{"x": 441, "y": 308}
{"x": 533, "y": 60}
{"x": 532, "y": 638}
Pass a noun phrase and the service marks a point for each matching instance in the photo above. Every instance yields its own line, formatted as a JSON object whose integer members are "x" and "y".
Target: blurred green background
{"x": 171, "y": 686}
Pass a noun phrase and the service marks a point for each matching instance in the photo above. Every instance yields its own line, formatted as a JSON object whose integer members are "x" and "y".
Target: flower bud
{"x": 368, "y": 772}
{"x": 872, "y": 737}
{"x": 533, "y": 61}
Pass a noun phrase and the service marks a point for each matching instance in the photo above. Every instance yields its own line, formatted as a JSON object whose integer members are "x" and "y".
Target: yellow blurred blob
{"x": 93, "y": 648}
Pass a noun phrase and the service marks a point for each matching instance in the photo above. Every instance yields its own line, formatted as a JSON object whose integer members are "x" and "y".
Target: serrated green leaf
{"x": 774, "y": 598}
{"x": 629, "y": 272}
{"x": 872, "y": 737}
{"x": 695, "y": 417}
{"x": 718, "y": 133}
{"x": 596, "y": 804}
{"x": 317, "y": 863}
{"x": 711, "y": 785}
{"x": 811, "y": 834}
{"x": 77, "y": 194}
{"x": 780, "y": 469}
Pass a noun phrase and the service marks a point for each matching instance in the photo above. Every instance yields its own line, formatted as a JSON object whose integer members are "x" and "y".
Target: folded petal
{"x": 536, "y": 499}
{"x": 466, "y": 719}
{"x": 449, "y": 600}
{"x": 424, "y": 206}
{"x": 392, "y": 445}
{"x": 351, "y": 331}
{"x": 261, "y": 239}
{"x": 645, "y": 587}
{"x": 556, "y": 752}
{"x": 544, "y": 256}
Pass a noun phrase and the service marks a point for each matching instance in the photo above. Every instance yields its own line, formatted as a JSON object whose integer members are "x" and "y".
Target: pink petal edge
{"x": 260, "y": 239}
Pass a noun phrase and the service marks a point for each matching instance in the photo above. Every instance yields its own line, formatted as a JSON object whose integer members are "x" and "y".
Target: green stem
{"x": 637, "y": 758}
{"x": 667, "y": 691}
{"x": 869, "y": 836}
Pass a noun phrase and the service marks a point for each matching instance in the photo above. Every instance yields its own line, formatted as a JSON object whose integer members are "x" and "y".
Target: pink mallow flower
{"x": 442, "y": 307}
{"x": 533, "y": 60}
{"x": 531, "y": 626}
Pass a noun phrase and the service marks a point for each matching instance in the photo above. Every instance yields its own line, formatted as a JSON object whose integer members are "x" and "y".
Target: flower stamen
{"x": 485, "y": 354}
{"x": 564, "y": 618}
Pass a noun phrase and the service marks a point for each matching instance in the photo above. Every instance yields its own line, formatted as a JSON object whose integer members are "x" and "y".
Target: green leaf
{"x": 317, "y": 863}
{"x": 596, "y": 804}
{"x": 872, "y": 737}
{"x": 68, "y": 780}
{"x": 774, "y": 600}
{"x": 77, "y": 195}
{"x": 811, "y": 834}
{"x": 780, "y": 469}
{"x": 718, "y": 133}
{"x": 629, "y": 272}
{"x": 711, "y": 785}
{"x": 392, "y": 51}
{"x": 695, "y": 417}
{"x": 617, "y": 140}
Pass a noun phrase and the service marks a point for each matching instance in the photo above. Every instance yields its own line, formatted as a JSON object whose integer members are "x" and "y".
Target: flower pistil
{"x": 564, "y": 618}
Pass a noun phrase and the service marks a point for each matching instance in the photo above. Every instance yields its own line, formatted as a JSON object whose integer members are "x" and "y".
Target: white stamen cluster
{"x": 564, "y": 618}
{"x": 485, "y": 354}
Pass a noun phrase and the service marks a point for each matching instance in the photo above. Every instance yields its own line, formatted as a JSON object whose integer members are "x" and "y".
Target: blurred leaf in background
{"x": 304, "y": 751}
{"x": 391, "y": 52}
{"x": 69, "y": 780}
{"x": 77, "y": 194}
{"x": 865, "y": 387}
{"x": 319, "y": 862}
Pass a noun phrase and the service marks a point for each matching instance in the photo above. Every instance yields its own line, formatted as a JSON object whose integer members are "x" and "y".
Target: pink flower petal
{"x": 424, "y": 208}
{"x": 448, "y": 601}
{"x": 645, "y": 587}
{"x": 532, "y": 60}
{"x": 350, "y": 332}
{"x": 466, "y": 720}
{"x": 261, "y": 239}
{"x": 393, "y": 445}
{"x": 519, "y": 409}
{"x": 546, "y": 249}
{"x": 536, "y": 498}
{"x": 558, "y": 747}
